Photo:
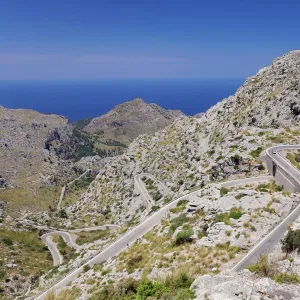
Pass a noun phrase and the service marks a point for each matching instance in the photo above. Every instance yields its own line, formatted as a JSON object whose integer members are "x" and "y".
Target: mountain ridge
{"x": 129, "y": 119}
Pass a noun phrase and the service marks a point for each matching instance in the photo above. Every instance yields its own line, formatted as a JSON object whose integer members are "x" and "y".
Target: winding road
{"x": 130, "y": 237}
{"x": 47, "y": 239}
{"x": 274, "y": 154}
{"x": 274, "y": 237}
{"x": 143, "y": 190}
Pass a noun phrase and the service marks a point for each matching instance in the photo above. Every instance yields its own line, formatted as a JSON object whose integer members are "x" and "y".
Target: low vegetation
{"x": 184, "y": 236}
{"x": 256, "y": 153}
{"x": 18, "y": 247}
{"x": 178, "y": 221}
{"x": 224, "y": 191}
{"x": 292, "y": 241}
{"x": 66, "y": 251}
{"x": 265, "y": 268}
{"x": 35, "y": 200}
{"x": 68, "y": 294}
{"x": 269, "y": 187}
{"x": 91, "y": 236}
{"x": 175, "y": 287}
{"x": 294, "y": 158}
{"x": 234, "y": 213}
{"x": 74, "y": 191}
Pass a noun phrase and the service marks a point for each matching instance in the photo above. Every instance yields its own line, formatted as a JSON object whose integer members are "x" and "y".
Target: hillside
{"x": 30, "y": 144}
{"x": 130, "y": 119}
{"x": 206, "y": 232}
{"x": 225, "y": 143}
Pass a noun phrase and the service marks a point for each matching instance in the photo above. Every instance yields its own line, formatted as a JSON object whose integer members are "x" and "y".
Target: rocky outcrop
{"x": 128, "y": 120}
{"x": 244, "y": 285}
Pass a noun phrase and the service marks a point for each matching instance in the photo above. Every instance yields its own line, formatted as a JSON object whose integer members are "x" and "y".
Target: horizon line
{"x": 123, "y": 78}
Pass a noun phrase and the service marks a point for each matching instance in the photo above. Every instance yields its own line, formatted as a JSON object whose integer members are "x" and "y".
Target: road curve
{"x": 274, "y": 237}
{"x": 166, "y": 189}
{"x": 282, "y": 162}
{"x": 65, "y": 235}
{"x": 57, "y": 258}
{"x": 143, "y": 190}
{"x": 124, "y": 241}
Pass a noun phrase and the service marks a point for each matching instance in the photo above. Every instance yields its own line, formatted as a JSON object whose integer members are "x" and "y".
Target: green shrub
{"x": 182, "y": 202}
{"x": 201, "y": 234}
{"x": 256, "y": 153}
{"x": 155, "y": 208}
{"x": 287, "y": 278}
{"x": 167, "y": 199}
{"x": 235, "y": 213}
{"x": 263, "y": 267}
{"x": 239, "y": 196}
{"x": 2, "y": 274}
{"x": 175, "y": 287}
{"x": 236, "y": 159}
{"x": 223, "y": 217}
{"x": 184, "y": 236}
{"x": 105, "y": 272}
{"x": 7, "y": 241}
{"x": 148, "y": 288}
{"x": 63, "y": 214}
{"x": 178, "y": 221}
{"x": 133, "y": 263}
{"x": 223, "y": 191}
{"x": 86, "y": 268}
{"x": 292, "y": 241}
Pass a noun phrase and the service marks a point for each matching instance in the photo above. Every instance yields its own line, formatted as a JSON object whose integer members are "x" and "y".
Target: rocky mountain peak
{"x": 130, "y": 119}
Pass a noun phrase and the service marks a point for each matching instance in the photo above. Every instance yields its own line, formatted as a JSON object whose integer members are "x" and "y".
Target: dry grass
{"x": 68, "y": 294}
{"x": 160, "y": 251}
{"x": 91, "y": 236}
{"x": 34, "y": 200}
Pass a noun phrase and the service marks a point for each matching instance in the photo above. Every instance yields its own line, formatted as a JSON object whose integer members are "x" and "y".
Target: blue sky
{"x": 144, "y": 39}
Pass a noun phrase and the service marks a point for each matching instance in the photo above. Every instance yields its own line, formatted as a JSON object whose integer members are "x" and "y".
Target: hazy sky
{"x": 135, "y": 38}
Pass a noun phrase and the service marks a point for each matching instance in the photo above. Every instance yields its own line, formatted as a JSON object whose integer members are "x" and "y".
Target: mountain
{"x": 206, "y": 232}
{"x": 222, "y": 143}
{"x": 194, "y": 153}
{"x": 130, "y": 119}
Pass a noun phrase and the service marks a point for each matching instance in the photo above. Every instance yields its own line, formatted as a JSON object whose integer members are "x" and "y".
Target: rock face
{"x": 128, "y": 120}
{"x": 28, "y": 142}
{"x": 242, "y": 286}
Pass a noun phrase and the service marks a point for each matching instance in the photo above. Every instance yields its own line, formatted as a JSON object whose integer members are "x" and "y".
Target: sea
{"x": 78, "y": 99}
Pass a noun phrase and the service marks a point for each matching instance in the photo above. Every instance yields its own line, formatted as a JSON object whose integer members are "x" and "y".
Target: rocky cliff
{"x": 128, "y": 120}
